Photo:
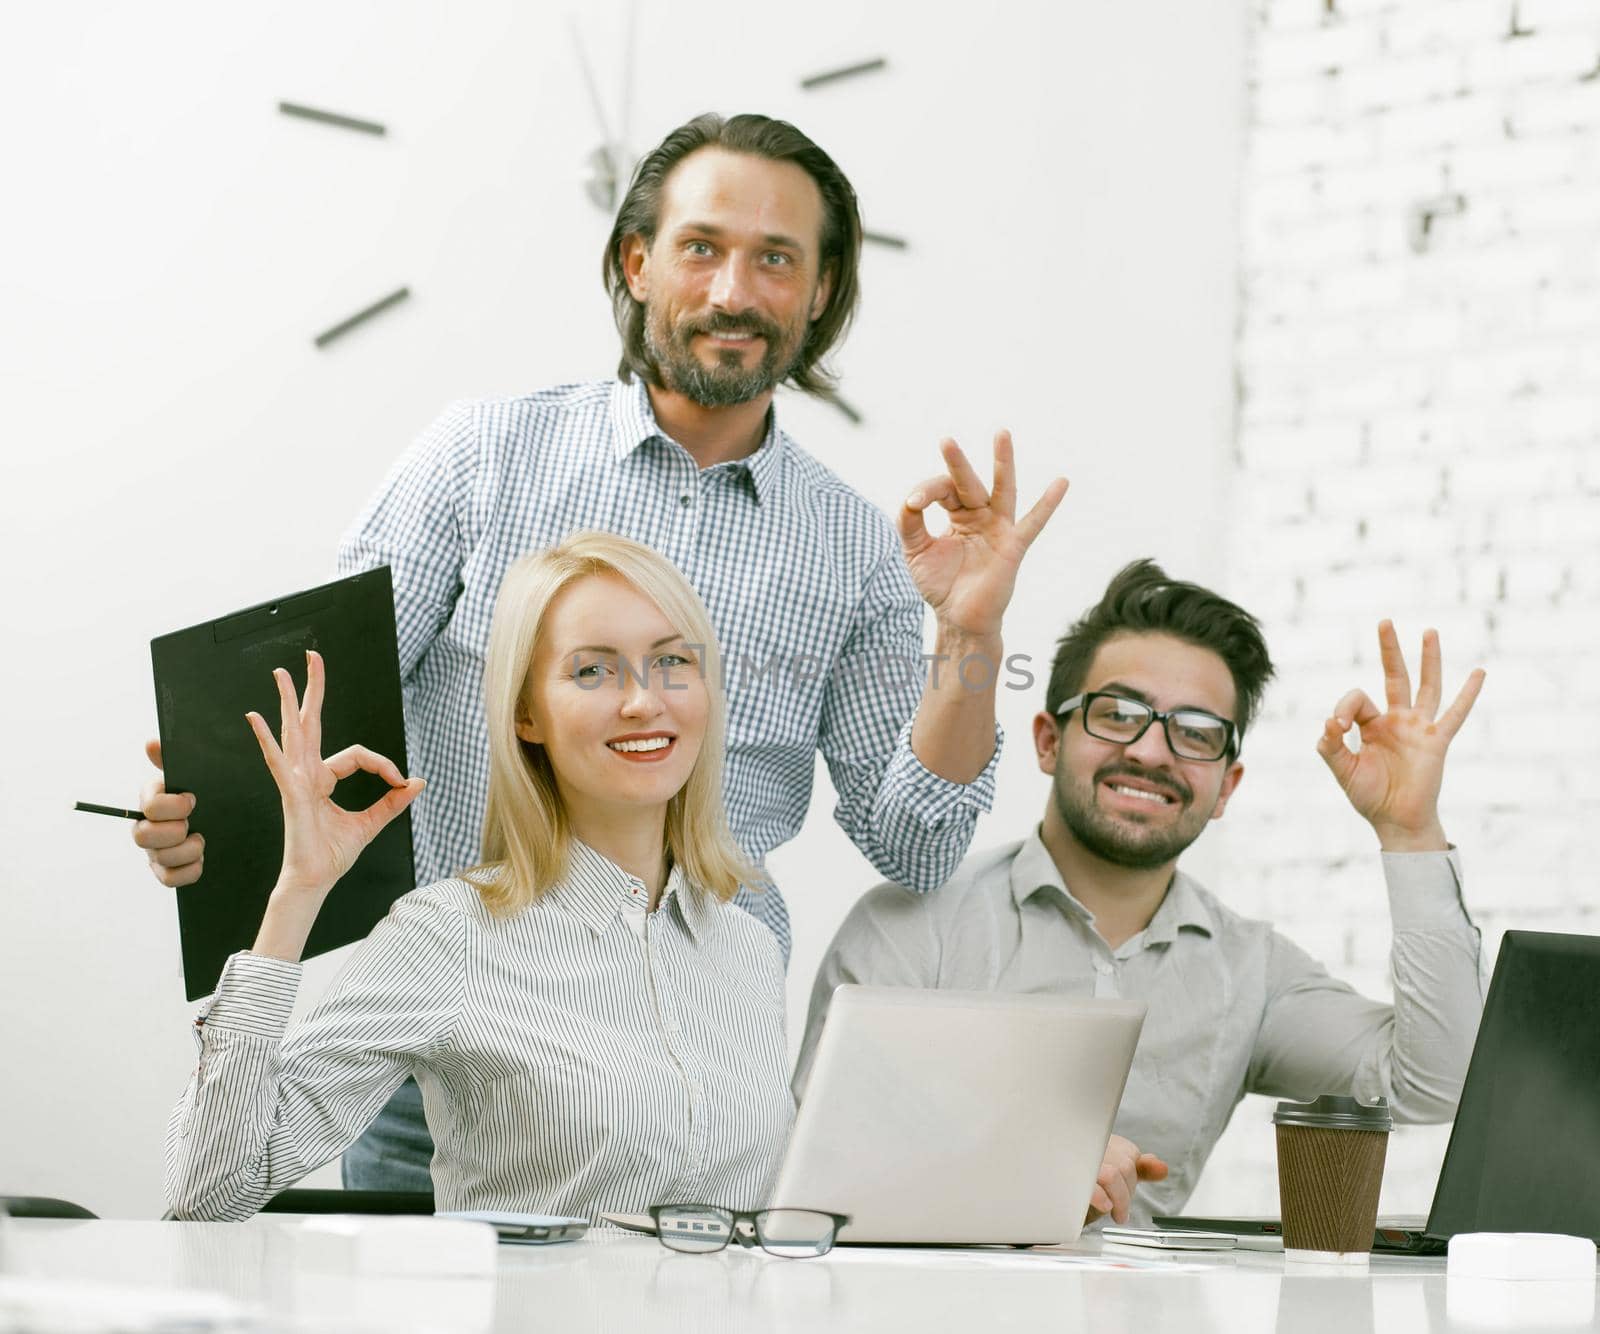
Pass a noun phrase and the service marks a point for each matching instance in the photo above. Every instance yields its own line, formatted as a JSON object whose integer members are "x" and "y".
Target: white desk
{"x": 617, "y": 1282}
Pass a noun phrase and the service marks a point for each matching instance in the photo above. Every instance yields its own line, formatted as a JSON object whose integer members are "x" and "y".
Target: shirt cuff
{"x": 1424, "y": 890}
{"x": 255, "y": 995}
{"x": 931, "y": 798}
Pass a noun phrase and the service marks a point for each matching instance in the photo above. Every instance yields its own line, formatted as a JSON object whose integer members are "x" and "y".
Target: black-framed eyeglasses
{"x": 795, "y": 1234}
{"x": 1193, "y": 734}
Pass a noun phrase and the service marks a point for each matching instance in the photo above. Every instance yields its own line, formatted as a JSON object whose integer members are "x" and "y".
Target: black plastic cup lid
{"x": 1333, "y": 1112}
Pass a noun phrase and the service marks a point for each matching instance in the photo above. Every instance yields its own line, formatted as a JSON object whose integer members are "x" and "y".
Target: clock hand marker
{"x": 625, "y": 118}
{"x": 362, "y": 316}
{"x": 603, "y": 163}
{"x": 883, "y": 238}
{"x": 331, "y": 118}
{"x": 595, "y": 103}
{"x": 844, "y": 72}
{"x": 853, "y": 413}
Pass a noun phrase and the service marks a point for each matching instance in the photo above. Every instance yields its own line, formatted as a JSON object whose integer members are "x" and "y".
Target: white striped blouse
{"x": 580, "y": 1056}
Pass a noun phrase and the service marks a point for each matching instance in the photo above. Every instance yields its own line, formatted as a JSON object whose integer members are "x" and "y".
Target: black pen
{"x": 107, "y": 810}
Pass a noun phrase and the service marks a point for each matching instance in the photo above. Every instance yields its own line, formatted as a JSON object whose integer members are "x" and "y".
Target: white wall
{"x": 1419, "y": 437}
{"x": 1067, "y": 175}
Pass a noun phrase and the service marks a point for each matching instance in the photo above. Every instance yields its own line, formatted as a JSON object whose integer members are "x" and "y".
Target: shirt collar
{"x": 696, "y": 908}
{"x": 1183, "y": 907}
{"x": 595, "y": 889}
{"x": 1033, "y": 871}
{"x": 633, "y": 422}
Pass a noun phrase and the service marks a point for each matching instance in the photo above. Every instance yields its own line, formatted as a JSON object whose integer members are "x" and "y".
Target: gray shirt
{"x": 1234, "y": 1007}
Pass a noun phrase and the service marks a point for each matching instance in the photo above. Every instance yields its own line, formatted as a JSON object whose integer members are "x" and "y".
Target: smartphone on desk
{"x": 1169, "y": 1239}
{"x": 525, "y": 1229}
{"x": 1249, "y": 1234}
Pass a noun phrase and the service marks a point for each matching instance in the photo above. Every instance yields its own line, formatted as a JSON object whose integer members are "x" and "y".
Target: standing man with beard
{"x": 732, "y": 269}
{"x": 1150, "y": 694}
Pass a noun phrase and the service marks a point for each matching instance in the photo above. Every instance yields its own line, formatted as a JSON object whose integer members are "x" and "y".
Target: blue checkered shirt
{"x": 819, "y": 622}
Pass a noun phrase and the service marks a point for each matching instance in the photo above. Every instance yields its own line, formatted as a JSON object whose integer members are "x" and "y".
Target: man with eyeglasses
{"x": 1150, "y": 695}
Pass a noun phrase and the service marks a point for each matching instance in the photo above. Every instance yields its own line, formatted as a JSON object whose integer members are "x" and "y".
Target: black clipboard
{"x": 207, "y": 677}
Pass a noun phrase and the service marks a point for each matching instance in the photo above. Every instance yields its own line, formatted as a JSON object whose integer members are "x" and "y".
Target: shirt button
{"x": 1103, "y": 966}
{"x": 685, "y": 499}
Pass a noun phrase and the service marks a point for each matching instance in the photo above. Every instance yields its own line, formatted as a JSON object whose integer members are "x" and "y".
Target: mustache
{"x": 735, "y": 324}
{"x": 1169, "y": 784}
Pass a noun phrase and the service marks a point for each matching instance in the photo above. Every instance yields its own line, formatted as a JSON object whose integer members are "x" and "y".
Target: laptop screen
{"x": 1524, "y": 1153}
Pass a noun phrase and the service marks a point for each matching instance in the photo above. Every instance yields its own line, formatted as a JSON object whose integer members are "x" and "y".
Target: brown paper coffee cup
{"x": 1330, "y": 1170}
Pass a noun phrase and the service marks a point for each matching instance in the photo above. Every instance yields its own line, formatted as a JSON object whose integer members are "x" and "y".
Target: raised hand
{"x": 967, "y": 574}
{"x": 1393, "y": 781}
{"x": 321, "y": 840}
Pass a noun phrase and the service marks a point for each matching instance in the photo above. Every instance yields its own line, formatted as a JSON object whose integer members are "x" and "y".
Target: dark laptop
{"x": 1524, "y": 1153}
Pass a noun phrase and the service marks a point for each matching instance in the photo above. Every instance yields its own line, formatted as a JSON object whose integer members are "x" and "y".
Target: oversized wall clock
{"x": 606, "y": 167}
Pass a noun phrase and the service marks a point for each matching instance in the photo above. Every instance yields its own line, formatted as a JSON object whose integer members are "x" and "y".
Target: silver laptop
{"x": 958, "y": 1116}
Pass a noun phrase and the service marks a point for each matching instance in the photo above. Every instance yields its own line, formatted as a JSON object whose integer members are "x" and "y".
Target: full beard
{"x": 1121, "y": 842}
{"x": 729, "y": 382}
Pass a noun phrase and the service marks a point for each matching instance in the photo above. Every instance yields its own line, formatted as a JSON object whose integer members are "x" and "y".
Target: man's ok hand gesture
{"x": 967, "y": 574}
{"x": 321, "y": 840}
{"x": 1393, "y": 780}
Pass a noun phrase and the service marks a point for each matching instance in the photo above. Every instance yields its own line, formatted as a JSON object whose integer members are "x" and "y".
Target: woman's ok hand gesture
{"x": 321, "y": 840}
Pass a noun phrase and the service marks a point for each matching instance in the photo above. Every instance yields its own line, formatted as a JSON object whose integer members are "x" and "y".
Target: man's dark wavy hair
{"x": 765, "y": 137}
{"x": 1143, "y": 599}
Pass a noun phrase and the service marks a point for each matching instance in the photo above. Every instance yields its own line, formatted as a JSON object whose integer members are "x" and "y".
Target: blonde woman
{"x": 594, "y": 1027}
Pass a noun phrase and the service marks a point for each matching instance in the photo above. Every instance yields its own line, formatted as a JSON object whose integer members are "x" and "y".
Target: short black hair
{"x": 760, "y": 136}
{"x": 1143, "y": 599}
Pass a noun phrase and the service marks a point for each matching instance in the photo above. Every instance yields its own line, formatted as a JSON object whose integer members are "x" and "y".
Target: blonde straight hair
{"x": 527, "y": 836}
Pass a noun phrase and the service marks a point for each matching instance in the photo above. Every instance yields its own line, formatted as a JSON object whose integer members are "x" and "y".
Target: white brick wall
{"x": 1417, "y": 437}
